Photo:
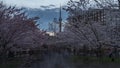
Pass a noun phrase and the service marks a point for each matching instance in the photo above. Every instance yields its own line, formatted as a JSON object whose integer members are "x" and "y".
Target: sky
{"x": 35, "y": 3}
{"x": 47, "y": 10}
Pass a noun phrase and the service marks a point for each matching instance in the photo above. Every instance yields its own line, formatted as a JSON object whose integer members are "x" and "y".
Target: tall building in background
{"x": 60, "y": 20}
{"x": 56, "y": 25}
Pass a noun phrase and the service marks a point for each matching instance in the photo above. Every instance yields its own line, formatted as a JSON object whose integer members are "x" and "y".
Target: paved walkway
{"x": 52, "y": 61}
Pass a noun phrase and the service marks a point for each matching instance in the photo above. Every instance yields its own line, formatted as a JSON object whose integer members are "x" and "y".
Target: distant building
{"x": 100, "y": 15}
{"x": 51, "y": 33}
{"x": 60, "y": 20}
{"x": 56, "y": 26}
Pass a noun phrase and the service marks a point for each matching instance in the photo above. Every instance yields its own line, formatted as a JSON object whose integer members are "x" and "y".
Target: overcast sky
{"x": 35, "y": 3}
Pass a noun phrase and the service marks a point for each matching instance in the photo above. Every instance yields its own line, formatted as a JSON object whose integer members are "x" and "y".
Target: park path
{"x": 56, "y": 60}
{"x": 52, "y": 61}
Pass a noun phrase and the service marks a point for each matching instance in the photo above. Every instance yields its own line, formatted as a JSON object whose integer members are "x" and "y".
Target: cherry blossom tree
{"x": 107, "y": 3}
{"x": 17, "y": 30}
{"x": 90, "y": 32}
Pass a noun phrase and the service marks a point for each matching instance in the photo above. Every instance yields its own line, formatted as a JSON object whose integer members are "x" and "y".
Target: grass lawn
{"x": 93, "y": 62}
{"x": 12, "y": 63}
{"x": 92, "y": 59}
